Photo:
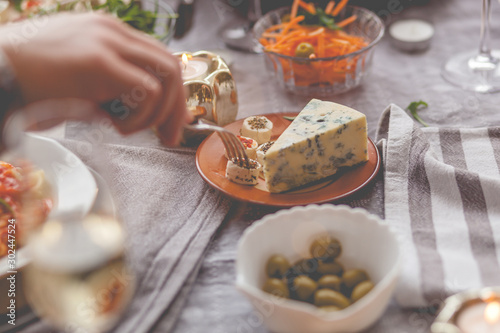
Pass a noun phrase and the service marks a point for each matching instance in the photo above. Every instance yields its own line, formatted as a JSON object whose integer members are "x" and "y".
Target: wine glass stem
{"x": 254, "y": 11}
{"x": 484, "y": 44}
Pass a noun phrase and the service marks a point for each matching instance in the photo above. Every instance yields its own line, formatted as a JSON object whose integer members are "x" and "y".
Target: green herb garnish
{"x": 289, "y": 118}
{"x": 130, "y": 13}
{"x": 320, "y": 18}
{"x": 413, "y": 107}
{"x": 17, "y": 5}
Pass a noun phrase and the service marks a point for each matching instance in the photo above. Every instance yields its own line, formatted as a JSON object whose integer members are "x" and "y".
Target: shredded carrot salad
{"x": 288, "y": 37}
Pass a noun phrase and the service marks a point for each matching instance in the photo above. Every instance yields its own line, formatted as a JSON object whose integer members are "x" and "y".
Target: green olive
{"x": 330, "y": 308}
{"x": 354, "y": 276}
{"x": 330, "y": 281}
{"x": 330, "y": 268}
{"x": 326, "y": 248}
{"x": 276, "y": 287}
{"x": 325, "y": 297}
{"x": 304, "y": 50}
{"x": 276, "y": 266}
{"x": 307, "y": 267}
{"x": 345, "y": 290}
{"x": 304, "y": 287}
{"x": 361, "y": 290}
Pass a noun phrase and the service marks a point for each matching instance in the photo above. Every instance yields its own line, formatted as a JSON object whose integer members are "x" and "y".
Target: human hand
{"x": 97, "y": 58}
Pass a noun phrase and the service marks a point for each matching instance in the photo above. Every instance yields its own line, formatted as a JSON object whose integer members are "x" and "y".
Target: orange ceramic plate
{"x": 211, "y": 165}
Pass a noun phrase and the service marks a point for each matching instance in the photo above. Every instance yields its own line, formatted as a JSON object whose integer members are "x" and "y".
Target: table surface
{"x": 214, "y": 305}
{"x": 396, "y": 77}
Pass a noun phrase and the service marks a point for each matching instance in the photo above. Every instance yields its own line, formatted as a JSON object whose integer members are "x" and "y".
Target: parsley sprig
{"x": 132, "y": 14}
{"x": 320, "y": 18}
{"x": 413, "y": 107}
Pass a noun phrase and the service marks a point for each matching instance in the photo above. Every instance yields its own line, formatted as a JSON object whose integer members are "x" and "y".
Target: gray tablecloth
{"x": 396, "y": 77}
{"x": 211, "y": 303}
{"x": 168, "y": 211}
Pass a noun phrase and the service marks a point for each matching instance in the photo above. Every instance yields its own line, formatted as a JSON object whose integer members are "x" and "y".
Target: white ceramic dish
{"x": 74, "y": 189}
{"x": 367, "y": 243}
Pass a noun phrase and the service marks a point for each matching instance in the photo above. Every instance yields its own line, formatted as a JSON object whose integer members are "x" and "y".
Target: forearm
{"x": 95, "y": 58}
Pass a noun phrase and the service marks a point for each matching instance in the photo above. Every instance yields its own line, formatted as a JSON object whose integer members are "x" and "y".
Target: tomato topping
{"x": 13, "y": 190}
{"x": 31, "y": 3}
{"x": 9, "y": 183}
{"x": 247, "y": 142}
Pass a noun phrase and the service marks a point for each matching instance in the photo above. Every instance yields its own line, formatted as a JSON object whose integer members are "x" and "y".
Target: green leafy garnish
{"x": 17, "y": 5}
{"x": 320, "y": 18}
{"x": 413, "y": 107}
{"x": 289, "y": 118}
{"x": 132, "y": 14}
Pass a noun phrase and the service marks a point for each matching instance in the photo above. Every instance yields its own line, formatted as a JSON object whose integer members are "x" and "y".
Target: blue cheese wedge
{"x": 323, "y": 137}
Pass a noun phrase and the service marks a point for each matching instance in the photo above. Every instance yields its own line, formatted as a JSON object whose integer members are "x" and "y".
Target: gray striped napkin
{"x": 442, "y": 197}
{"x": 169, "y": 212}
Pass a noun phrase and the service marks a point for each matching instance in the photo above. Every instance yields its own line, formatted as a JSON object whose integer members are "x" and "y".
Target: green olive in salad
{"x": 304, "y": 50}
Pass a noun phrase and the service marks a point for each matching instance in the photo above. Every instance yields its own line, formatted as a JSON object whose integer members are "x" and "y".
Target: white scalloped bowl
{"x": 366, "y": 241}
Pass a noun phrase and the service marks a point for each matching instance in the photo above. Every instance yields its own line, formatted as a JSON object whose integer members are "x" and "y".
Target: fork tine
{"x": 233, "y": 145}
{"x": 237, "y": 149}
{"x": 229, "y": 147}
{"x": 240, "y": 150}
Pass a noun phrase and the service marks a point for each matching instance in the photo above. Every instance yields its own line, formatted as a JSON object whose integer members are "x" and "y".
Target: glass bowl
{"x": 324, "y": 76}
{"x": 165, "y": 22}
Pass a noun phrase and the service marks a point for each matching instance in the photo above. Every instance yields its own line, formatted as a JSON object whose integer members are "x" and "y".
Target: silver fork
{"x": 234, "y": 148}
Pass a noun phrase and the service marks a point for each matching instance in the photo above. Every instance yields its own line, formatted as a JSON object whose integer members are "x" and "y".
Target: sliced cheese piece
{"x": 258, "y": 128}
{"x": 261, "y": 151}
{"x": 243, "y": 175}
{"x": 323, "y": 137}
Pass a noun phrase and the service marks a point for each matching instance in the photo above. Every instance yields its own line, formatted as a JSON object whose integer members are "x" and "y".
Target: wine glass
{"x": 78, "y": 278}
{"x": 237, "y": 34}
{"x": 473, "y": 70}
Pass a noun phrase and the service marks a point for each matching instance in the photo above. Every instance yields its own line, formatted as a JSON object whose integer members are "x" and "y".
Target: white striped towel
{"x": 442, "y": 198}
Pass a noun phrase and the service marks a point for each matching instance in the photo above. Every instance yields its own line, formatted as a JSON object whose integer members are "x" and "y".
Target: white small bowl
{"x": 366, "y": 241}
